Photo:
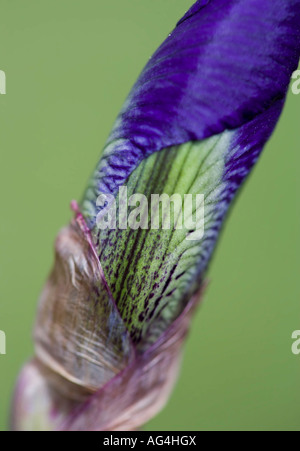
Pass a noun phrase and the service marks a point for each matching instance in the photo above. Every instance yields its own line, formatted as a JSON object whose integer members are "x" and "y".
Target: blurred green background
{"x": 69, "y": 67}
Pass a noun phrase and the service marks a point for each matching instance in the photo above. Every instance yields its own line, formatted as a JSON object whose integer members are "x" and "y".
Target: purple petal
{"x": 194, "y": 9}
{"x": 226, "y": 62}
{"x": 246, "y": 146}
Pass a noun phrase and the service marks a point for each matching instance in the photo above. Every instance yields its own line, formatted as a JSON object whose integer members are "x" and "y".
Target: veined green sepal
{"x": 152, "y": 273}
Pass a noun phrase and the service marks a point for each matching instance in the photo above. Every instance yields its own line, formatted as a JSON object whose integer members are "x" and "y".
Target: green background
{"x": 69, "y": 66}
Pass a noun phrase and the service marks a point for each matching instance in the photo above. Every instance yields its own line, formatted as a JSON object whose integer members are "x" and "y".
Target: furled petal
{"x": 225, "y": 63}
{"x": 153, "y": 273}
{"x": 195, "y": 122}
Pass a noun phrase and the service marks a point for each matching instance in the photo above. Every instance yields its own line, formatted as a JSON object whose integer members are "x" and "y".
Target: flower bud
{"x": 130, "y": 268}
